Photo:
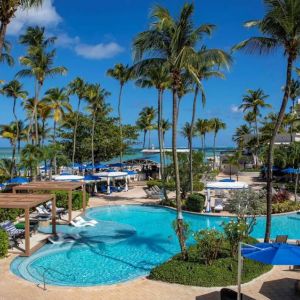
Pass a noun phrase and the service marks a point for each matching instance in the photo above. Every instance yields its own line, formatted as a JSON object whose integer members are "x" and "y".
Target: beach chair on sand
{"x": 281, "y": 239}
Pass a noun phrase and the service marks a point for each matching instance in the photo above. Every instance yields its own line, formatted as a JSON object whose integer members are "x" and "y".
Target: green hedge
{"x": 170, "y": 185}
{"x": 195, "y": 202}
{"x": 62, "y": 199}
{"x": 9, "y": 214}
{"x": 222, "y": 272}
{"x": 3, "y": 243}
{"x": 285, "y": 206}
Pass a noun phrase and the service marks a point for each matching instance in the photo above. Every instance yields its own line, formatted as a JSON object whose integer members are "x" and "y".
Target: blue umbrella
{"x": 227, "y": 180}
{"x": 274, "y": 254}
{"x": 90, "y": 177}
{"x": 17, "y": 180}
{"x": 291, "y": 171}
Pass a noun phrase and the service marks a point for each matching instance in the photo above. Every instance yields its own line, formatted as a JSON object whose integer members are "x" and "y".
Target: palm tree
{"x": 240, "y": 135}
{"x": 157, "y": 76}
{"x": 165, "y": 126}
{"x": 10, "y": 132}
{"x": 186, "y": 133}
{"x": 252, "y": 103}
{"x": 123, "y": 74}
{"x": 58, "y": 100}
{"x": 44, "y": 112}
{"x": 14, "y": 89}
{"x": 5, "y": 56}
{"x": 8, "y": 9}
{"x": 95, "y": 96}
{"x": 233, "y": 160}
{"x": 142, "y": 124}
{"x": 39, "y": 64}
{"x": 203, "y": 127}
{"x": 216, "y": 125}
{"x": 280, "y": 27}
{"x": 171, "y": 41}
{"x": 294, "y": 92}
{"x": 206, "y": 65}
{"x": 31, "y": 156}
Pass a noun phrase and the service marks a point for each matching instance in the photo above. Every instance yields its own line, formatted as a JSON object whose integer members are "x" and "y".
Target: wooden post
{"x": 14, "y": 190}
{"x": 83, "y": 197}
{"x": 54, "y": 214}
{"x": 27, "y": 232}
{"x": 70, "y": 205}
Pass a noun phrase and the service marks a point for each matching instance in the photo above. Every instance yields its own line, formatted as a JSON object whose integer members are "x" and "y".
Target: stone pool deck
{"x": 276, "y": 284}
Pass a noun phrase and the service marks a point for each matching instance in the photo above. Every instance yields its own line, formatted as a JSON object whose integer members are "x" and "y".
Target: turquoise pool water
{"x": 127, "y": 243}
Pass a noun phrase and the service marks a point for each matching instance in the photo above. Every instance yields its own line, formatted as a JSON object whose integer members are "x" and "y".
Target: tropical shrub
{"x": 62, "y": 199}
{"x": 235, "y": 231}
{"x": 170, "y": 185}
{"x": 281, "y": 196}
{"x": 198, "y": 186}
{"x": 195, "y": 202}
{"x": 9, "y": 214}
{"x": 285, "y": 206}
{"x": 3, "y": 243}
{"x": 209, "y": 242}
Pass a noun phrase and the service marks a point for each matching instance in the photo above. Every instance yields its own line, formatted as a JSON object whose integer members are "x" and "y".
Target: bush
{"x": 198, "y": 186}
{"x": 281, "y": 196}
{"x": 209, "y": 242}
{"x": 9, "y": 214}
{"x": 170, "y": 185}
{"x": 235, "y": 232}
{"x": 285, "y": 206}
{"x": 3, "y": 243}
{"x": 195, "y": 202}
{"x": 62, "y": 199}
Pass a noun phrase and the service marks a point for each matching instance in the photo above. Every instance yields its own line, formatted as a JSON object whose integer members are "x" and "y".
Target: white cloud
{"x": 66, "y": 41}
{"x": 235, "y": 109}
{"x": 45, "y": 15}
{"x": 98, "y": 51}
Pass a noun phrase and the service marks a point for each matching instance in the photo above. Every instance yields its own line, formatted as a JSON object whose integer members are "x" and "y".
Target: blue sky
{"x": 94, "y": 35}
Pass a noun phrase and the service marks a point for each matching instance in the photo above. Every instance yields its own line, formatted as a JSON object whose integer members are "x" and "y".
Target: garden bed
{"x": 222, "y": 272}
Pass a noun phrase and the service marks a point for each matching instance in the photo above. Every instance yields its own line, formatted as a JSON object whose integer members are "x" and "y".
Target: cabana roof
{"x": 212, "y": 185}
{"x": 22, "y": 201}
{"x": 141, "y": 161}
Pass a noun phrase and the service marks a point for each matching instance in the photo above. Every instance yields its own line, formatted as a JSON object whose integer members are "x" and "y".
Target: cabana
{"x": 26, "y": 202}
{"x": 68, "y": 177}
{"x": 219, "y": 185}
{"x": 112, "y": 176}
{"x": 56, "y": 186}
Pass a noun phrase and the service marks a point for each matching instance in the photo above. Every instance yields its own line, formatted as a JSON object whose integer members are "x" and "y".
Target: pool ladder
{"x": 44, "y": 276}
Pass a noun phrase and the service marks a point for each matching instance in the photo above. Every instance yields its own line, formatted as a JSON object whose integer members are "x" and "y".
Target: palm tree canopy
{"x": 203, "y": 126}
{"x": 77, "y": 86}
{"x": 280, "y": 28}
{"x": 294, "y": 89}
{"x": 95, "y": 95}
{"x": 165, "y": 125}
{"x": 216, "y": 125}
{"x": 146, "y": 118}
{"x": 186, "y": 130}
{"x": 121, "y": 73}
{"x": 14, "y": 89}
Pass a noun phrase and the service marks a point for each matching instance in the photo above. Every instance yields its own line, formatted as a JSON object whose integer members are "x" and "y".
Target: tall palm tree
{"x": 14, "y": 90}
{"x": 294, "y": 92}
{"x": 31, "y": 156}
{"x": 77, "y": 87}
{"x": 203, "y": 127}
{"x": 5, "y": 56}
{"x": 216, "y": 125}
{"x": 10, "y": 132}
{"x": 39, "y": 65}
{"x": 95, "y": 95}
{"x": 58, "y": 100}
{"x": 123, "y": 74}
{"x": 186, "y": 133}
{"x": 44, "y": 112}
{"x": 206, "y": 65}
{"x": 280, "y": 28}
{"x": 172, "y": 41}
{"x": 8, "y": 9}
{"x": 240, "y": 135}
{"x": 157, "y": 76}
{"x": 142, "y": 124}
{"x": 165, "y": 126}
{"x": 185, "y": 87}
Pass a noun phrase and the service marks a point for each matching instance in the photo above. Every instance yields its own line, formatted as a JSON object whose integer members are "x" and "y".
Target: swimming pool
{"x": 127, "y": 243}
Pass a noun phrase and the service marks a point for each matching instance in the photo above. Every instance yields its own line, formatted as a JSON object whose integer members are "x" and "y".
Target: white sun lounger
{"x": 219, "y": 206}
{"x": 61, "y": 238}
{"x": 80, "y": 222}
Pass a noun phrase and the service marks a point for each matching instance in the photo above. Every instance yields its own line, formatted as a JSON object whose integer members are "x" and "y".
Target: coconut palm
{"x": 77, "y": 87}
{"x": 203, "y": 127}
{"x": 186, "y": 133}
{"x": 157, "y": 76}
{"x": 240, "y": 135}
{"x": 142, "y": 124}
{"x": 10, "y": 132}
{"x": 14, "y": 90}
{"x": 280, "y": 28}
{"x": 58, "y": 100}
{"x": 5, "y": 56}
{"x": 172, "y": 41}
{"x": 39, "y": 65}
{"x": 31, "y": 157}
{"x": 294, "y": 92}
{"x": 8, "y": 9}
{"x": 165, "y": 126}
{"x": 95, "y": 96}
{"x": 216, "y": 125}
{"x": 44, "y": 113}
{"x": 123, "y": 74}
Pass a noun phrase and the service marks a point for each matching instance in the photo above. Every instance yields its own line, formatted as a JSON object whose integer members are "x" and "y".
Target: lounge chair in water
{"x": 80, "y": 222}
{"x": 61, "y": 238}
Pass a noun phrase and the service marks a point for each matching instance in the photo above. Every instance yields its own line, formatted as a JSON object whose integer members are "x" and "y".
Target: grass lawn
{"x": 222, "y": 272}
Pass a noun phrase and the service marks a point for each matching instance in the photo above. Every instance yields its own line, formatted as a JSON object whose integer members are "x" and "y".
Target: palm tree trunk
{"x": 215, "y": 137}
{"x": 13, "y": 161}
{"x": 120, "y": 123}
{"x": 3, "y": 28}
{"x": 271, "y": 146}
{"x": 16, "y": 119}
{"x": 93, "y": 134}
{"x": 159, "y": 133}
{"x": 75, "y": 133}
{"x": 149, "y": 139}
{"x": 257, "y": 142}
{"x": 144, "y": 140}
{"x": 204, "y": 144}
{"x": 54, "y": 143}
{"x": 191, "y": 139}
{"x": 36, "y": 101}
{"x": 180, "y": 229}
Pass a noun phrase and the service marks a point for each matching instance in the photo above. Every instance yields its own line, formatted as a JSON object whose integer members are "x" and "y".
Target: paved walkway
{"x": 276, "y": 284}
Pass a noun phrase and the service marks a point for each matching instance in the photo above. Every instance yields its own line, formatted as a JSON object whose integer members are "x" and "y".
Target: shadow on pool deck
{"x": 216, "y": 296}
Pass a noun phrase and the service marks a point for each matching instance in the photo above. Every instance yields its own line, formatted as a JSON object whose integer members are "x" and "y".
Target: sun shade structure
{"x": 68, "y": 177}
{"x": 225, "y": 185}
{"x": 113, "y": 175}
{"x": 49, "y": 186}
{"x": 26, "y": 202}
